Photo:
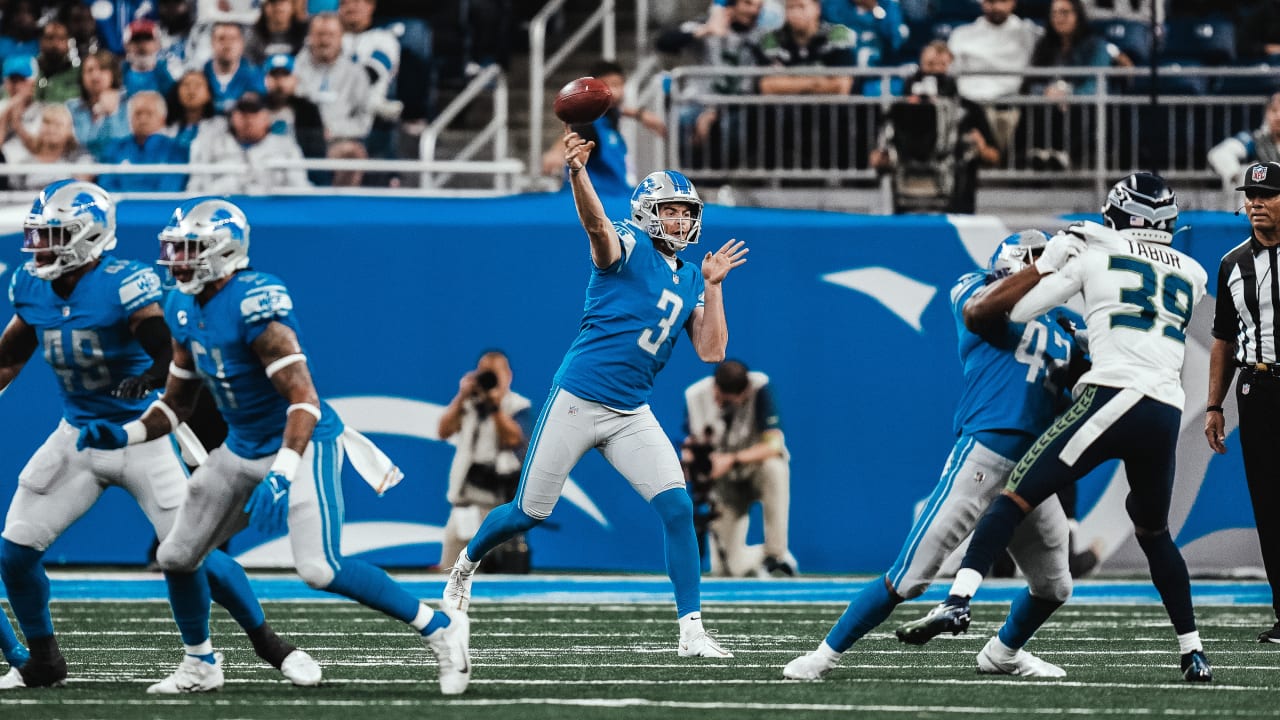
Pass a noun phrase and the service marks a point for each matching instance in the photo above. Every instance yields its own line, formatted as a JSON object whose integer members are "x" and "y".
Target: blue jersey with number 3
{"x": 86, "y": 339}
{"x": 635, "y": 309}
{"x": 220, "y": 335}
{"x": 1012, "y": 382}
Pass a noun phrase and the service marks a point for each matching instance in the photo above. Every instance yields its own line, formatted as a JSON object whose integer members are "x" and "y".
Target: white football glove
{"x": 1058, "y": 251}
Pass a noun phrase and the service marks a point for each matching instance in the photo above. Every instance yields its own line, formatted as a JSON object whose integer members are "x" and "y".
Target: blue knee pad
{"x": 683, "y": 563}
{"x": 500, "y": 525}
{"x": 28, "y": 588}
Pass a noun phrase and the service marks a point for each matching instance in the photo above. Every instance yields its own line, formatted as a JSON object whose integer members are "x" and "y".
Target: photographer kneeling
{"x": 491, "y": 424}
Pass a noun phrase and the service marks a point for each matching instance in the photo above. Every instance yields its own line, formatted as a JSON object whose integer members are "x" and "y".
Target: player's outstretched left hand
{"x": 268, "y": 506}
{"x": 101, "y": 435}
{"x": 716, "y": 265}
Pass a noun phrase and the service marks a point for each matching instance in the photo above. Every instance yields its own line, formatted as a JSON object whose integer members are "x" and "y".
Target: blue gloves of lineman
{"x": 268, "y": 506}
{"x": 102, "y": 435}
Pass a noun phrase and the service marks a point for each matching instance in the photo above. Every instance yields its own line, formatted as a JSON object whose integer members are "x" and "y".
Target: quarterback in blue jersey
{"x": 640, "y": 296}
{"x": 235, "y": 330}
{"x": 98, "y": 321}
{"x": 1014, "y": 374}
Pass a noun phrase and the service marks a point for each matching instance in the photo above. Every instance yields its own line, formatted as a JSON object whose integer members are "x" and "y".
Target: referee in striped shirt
{"x": 1246, "y": 335}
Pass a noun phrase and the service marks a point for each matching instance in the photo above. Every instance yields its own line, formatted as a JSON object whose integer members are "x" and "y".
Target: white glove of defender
{"x": 1058, "y": 251}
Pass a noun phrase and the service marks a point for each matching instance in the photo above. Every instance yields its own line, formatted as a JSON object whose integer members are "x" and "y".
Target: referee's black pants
{"x": 1258, "y": 398}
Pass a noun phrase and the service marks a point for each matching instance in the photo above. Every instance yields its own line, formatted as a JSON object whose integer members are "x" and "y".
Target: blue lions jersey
{"x": 634, "y": 311}
{"x": 219, "y": 335}
{"x": 1012, "y": 383}
{"x": 86, "y": 339}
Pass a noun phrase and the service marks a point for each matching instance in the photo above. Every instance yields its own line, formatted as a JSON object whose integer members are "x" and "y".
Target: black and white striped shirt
{"x": 1247, "y": 302}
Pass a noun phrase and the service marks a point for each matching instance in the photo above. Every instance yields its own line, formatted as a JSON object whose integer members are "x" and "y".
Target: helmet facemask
{"x": 1016, "y": 253}
{"x": 74, "y": 221}
{"x": 657, "y": 190}
{"x": 656, "y": 227}
{"x": 210, "y": 239}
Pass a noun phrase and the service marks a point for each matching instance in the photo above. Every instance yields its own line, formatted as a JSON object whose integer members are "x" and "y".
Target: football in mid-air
{"x": 583, "y": 101}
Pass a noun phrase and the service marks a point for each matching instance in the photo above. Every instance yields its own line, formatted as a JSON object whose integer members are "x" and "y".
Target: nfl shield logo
{"x": 1259, "y": 173}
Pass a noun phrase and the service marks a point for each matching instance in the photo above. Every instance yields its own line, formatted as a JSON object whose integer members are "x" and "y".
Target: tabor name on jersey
{"x": 1155, "y": 252}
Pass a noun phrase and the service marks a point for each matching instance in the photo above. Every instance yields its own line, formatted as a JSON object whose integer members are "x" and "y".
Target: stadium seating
{"x": 1131, "y": 36}
{"x": 1208, "y": 41}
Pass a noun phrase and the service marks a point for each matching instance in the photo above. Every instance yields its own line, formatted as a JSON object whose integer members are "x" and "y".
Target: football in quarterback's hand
{"x": 582, "y": 101}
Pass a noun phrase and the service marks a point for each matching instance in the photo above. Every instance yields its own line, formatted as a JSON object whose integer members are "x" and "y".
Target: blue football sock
{"x": 871, "y": 606}
{"x": 500, "y": 525}
{"x": 1026, "y": 616}
{"x": 438, "y": 620}
{"x": 1169, "y": 575}
{"x": 372, "y": 587}
{"x": 14, "y": 652}
{"x": 28, "y": 588}
{"x": 189, "y": 599}
{"x": 992, "y": 534}
{"x": 676, "y": 510}
{"x": 229, "y": 587}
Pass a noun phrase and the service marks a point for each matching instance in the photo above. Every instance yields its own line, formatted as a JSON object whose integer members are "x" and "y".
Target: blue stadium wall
{"x": 849, "y": 315}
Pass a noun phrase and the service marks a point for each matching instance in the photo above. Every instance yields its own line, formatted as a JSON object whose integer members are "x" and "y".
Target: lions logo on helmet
{"x": 207, "y": 239}
{"x": 1142, "y": 207}
{"x": 71, "y": 220}
{"x": 658, "y": 189}
{"x": 1016, "y": 252}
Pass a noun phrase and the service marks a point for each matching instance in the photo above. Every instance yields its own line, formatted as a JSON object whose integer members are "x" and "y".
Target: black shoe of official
{"x": 1271, "y": 635}
{"x": 951, "y": 616}
{"x": 1195, "y": 667}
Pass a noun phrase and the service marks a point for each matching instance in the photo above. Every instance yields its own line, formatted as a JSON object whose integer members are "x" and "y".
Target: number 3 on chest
{"x": 647, "y": 341}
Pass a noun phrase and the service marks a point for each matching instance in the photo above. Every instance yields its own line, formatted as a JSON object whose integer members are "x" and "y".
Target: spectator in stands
{"x": 19, "y": 34}
{"x": 148, "y": 144}
{"x": 1002, "y": 41}
{"x": 489, "y": 425}
{"x": 1229, "y": 157}
{"x": 142, "y": 67}
{"x": 933, "y": 141}
{"x": 292, "y": 115}
{"x": 1258, "y": 30}
{"x": 113, "y": 18}
{"x": 491, "y": 22}
{"x": 244, "y": 137}
{"x": 99, "y": 114}
{"x": 375, "y": 50}
{"x": 608, "y": 162}
{"x": 240, "y": 12}
{"x": 55, "y": 142}
{"x": 278, "y": 32}
{"x": 805, "y": 40}
{"x": 230, "y": 73}
{"x": 19, "y": 110}
{"x": 720, "y": 19}
{"x": 190, "y": 103}
{"x": 59, "y": 75}
{"x": 877, "y": 23}
{"x": 83, "y": 30}
{"x": 175, "y": 20}
{"x": 334, "y": 82}
{"x": 733, "y": 427}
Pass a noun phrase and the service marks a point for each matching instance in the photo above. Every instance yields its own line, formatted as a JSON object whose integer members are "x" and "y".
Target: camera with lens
{"x": 697, "y": 473}
{"x": 485, "y": 381}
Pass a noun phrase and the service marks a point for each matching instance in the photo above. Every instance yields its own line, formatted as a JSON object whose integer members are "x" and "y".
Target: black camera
{"x": 487, "y": 380}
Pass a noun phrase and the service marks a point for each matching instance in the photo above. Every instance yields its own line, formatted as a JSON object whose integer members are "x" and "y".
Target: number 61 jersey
{"x": 634, "y": 311}
{"x": 85, "y": 338}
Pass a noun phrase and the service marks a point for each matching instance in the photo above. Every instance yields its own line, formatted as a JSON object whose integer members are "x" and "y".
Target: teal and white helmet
{"x": 658, "y": 188}
{"x": 210, "y": 237}
{"x": 72, "y": 219}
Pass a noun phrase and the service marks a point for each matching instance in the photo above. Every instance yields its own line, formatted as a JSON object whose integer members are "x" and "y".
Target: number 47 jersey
{"x": 635, "y": 310}
{"x": 1138, "y": 299}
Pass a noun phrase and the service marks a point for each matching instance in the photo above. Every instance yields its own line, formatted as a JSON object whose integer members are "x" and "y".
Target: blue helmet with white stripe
{"x": 71, "y": 220}
{"x": 662, "y": 188}
{"x": 1016, "y": 252}
{"x": 206, "y": 240}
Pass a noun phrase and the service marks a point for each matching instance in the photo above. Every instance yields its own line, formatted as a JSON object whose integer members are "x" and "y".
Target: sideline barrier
{"x": 848, "y": 314}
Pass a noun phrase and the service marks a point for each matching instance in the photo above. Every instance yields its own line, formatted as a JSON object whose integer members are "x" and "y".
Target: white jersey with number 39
{"x": 1138, "y": 299}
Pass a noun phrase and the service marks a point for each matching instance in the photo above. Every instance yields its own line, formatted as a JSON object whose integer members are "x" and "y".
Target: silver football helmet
{"x": 207, "y": 236}
{"x": 1016, "y": 252}
{"x": 658, "y": 189}
{"x": 72, "y": 219}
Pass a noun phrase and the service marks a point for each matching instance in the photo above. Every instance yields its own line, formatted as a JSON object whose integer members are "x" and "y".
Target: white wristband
{"x": 182, "y": 373}
{"x": 286, "y": 463}
{"x": 163, "y": 408}
{"x": 135, "y": 431}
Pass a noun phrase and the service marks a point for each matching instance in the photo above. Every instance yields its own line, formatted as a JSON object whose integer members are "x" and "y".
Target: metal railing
{"x": 495, "y": 131}
{"x": 644, "y": 88}
{"x": 540, "y": 66}
{"x": 1088, "y": 137}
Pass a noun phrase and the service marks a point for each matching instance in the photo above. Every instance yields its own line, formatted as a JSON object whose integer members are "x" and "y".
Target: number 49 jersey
{"x": 85, "y": 338}
{"x": 219, "y": 335}
{"x": 1013, "y": 382}
{"x": 635, "y": 309}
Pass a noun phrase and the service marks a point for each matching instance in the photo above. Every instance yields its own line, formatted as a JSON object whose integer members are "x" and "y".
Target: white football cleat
{"x": 193, "y": 675}
{"x": 450, "y": 645}
{"x": 301, "y": 669}
{"x": 998, "y": 659}
{"x": 12, "y": 680}
{"x": 701, "y": 644}
{"x": 457, "y": 590}
{"x": 810, "y": 666}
